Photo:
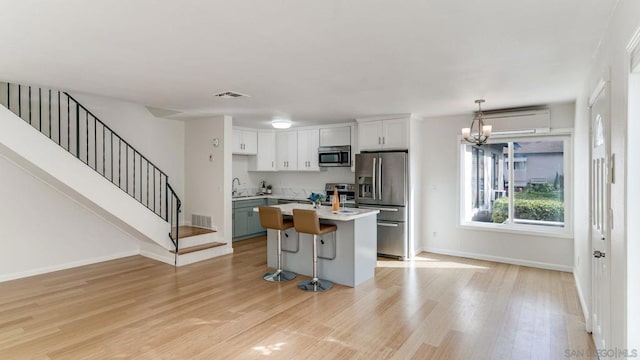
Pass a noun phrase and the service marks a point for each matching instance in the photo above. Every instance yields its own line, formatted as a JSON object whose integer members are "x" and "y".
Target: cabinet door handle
{"x": 384, "y": 140}
{"x": 378, "y": 140}
{"x": 271, "y": 163}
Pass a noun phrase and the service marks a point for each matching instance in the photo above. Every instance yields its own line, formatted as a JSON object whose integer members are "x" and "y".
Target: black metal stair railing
{"x": 61, "y": 118}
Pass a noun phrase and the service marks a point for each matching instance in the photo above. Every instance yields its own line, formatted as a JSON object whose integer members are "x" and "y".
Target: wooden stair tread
{"x": 186, "y": 231}
{"x": 195, "y": 248}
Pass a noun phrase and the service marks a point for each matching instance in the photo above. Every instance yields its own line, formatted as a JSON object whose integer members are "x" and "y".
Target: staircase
{"x": 147, "y": 205}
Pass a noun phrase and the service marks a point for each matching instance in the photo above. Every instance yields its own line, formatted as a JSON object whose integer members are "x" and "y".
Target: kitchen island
{"x": 352, "y": 248}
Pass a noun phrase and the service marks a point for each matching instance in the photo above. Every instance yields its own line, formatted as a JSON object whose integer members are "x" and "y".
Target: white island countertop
{"x": 324, "y": 212}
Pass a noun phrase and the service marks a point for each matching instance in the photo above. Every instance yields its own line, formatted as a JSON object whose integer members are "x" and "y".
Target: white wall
{"x": 435, "y": 161}
{"x": 159, "y": 140}
{"x": 289, "y": 182}
{"x": 208, "y": 188}
{"x": 612, "y": 58}
{"x": 44, "y": 230}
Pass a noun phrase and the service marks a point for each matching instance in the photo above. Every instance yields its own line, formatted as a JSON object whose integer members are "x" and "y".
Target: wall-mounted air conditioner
{"x": 526, "y": 121}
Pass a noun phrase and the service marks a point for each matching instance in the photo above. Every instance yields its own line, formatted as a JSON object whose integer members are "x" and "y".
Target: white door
{"x": 600, "y": 221}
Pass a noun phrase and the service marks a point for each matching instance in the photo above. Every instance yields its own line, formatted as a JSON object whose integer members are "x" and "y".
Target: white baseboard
{"x": 69, "y": 265}
{"x": 536, "y": 264}
{"x": 158, "y": 257}
{"x": 583, "y": 302}
{"x": 156, "y": 252}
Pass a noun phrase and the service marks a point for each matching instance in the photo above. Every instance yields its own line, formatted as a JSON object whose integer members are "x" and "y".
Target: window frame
{"x": 564, "y": 135}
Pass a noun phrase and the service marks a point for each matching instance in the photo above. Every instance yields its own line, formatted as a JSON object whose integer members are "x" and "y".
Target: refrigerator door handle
{"x": 380, "y": 179}
{"x": 374, "y": 178}
{"x": 387, "y": 224}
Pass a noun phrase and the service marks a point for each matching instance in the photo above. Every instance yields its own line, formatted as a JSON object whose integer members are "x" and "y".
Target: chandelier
{"x": 478, "y": 133}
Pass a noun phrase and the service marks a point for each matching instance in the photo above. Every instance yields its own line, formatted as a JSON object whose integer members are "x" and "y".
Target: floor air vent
{"x": 201, "y": 220}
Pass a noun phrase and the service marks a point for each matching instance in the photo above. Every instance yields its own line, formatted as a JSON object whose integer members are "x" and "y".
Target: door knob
{"x": 598, "y": 254}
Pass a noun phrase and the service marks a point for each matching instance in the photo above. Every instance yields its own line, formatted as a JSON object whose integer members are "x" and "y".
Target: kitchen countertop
{"x": 324, "y": 212}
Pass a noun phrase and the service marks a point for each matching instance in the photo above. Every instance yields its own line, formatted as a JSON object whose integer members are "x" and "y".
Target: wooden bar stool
{"x": 271, "y": 218}
{"x": 307, "y": 222}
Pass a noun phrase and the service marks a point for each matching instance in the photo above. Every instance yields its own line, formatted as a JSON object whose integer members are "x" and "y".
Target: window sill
{"x": 516, "y": 229}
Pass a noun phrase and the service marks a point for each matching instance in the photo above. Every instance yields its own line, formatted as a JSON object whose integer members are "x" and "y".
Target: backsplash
{"x": 295, "y": 184}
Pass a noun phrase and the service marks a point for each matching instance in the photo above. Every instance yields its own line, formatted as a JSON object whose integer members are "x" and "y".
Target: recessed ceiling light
{"x": 281, "y": 123}
{"x": 230, "y": 95}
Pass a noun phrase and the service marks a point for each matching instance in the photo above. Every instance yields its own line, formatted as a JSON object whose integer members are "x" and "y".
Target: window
{"x": 518, "y": 184}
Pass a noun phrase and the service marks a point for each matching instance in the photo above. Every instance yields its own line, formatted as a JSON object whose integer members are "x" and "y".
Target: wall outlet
{"x": 435, "y": 234}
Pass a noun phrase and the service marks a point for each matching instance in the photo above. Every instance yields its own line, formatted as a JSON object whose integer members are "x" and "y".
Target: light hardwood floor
{"x": 436, "y": 307}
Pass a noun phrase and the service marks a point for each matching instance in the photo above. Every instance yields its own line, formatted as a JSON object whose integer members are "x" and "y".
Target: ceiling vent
{"x": 230, "y": 95}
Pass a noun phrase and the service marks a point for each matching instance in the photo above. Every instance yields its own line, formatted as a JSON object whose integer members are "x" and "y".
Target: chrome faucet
{"x": 234, "y": 191}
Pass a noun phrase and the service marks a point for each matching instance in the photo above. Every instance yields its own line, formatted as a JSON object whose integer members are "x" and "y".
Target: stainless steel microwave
{"x": 334, "y": 155}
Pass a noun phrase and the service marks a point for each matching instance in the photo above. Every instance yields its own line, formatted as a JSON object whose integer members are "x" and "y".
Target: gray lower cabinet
{"x": 246, "y": 222}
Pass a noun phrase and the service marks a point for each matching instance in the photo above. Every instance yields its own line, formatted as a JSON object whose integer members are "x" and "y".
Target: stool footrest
{"x": 312, "y": 285}
{"x": 279, "y": 276}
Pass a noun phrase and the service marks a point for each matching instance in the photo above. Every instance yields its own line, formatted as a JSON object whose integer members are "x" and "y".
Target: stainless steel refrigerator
{"x": 382, "y": 183}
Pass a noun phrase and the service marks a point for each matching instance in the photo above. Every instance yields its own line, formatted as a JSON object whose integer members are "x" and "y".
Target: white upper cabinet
{"x": 287, "y": 150}
{"x": 245, "y": 141}
{"x": 370, "y": 135}
{"x": 391, "y": 134}
{"x": 265, "y": 160}
{"x": 395, "y": 134}
{"x": 335, "y": 136}
{"x": 308, "y": 142}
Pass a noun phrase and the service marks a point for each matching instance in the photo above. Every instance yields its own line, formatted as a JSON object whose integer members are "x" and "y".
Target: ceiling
{"x": 313, "y": 62}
